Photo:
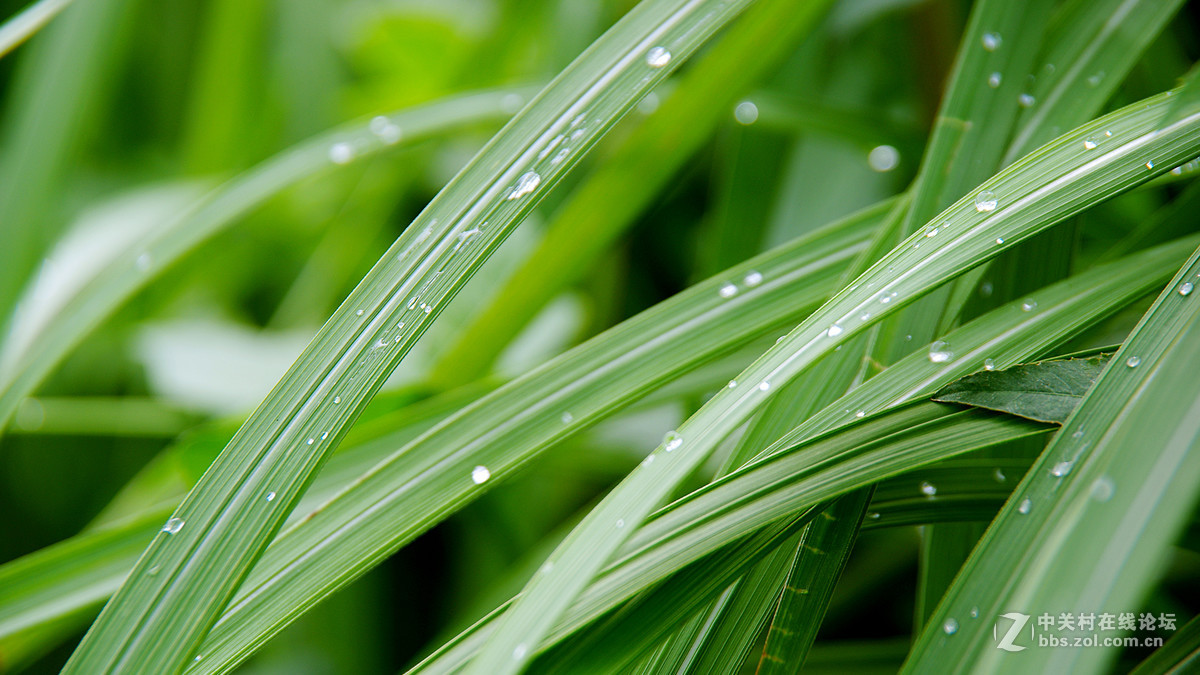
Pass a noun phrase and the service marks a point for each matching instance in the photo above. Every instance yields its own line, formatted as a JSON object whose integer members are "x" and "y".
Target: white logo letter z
{"x": 1018, "y": 622}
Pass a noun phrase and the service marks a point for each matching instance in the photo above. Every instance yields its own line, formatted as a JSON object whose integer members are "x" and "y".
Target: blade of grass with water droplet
{"x": 1046, "y": 186}
{"x": 42, "y": 333}
{"x": 765, "y": 494}
{"x": 424, "y": 481}
{"x": 226, "y": 522}
{"x": 637, "y": 170}
{"x": 1086, "y": 529}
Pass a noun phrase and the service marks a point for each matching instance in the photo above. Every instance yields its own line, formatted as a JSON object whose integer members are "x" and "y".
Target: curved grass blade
{"x": 1048, "y": 185}
{"x": 225, "y": 523}
{"x": 637, "y": 170}
{"x": 1085, "y": 530}
{"x": 28, "y": 21}
{"x": 424, "y": 481}
{"x": 49, "y": 323}
{"x": 810, "y": 583}
{"x": 1180, "y": 654}
{"x": 768, "y": 493}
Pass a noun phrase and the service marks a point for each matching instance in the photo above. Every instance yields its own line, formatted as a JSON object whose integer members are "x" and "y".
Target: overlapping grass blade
{"x": 1048, "y": 185}
{"x": 1125, "y": 464}
{"x": 49, "y": 322}
{"x": 637, "y": 170}
{"x": 425, "y": 481}
{"x": 770, "y": 493}
{"x": 228, "y": 519}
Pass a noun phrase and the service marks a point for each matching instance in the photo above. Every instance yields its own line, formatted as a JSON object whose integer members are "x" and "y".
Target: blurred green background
{"x": 124, "y": 110}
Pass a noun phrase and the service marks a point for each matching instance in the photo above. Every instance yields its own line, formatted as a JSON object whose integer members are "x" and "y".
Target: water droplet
{"x": 950, "y": 627}
{"x": 649, "y": 460}
{"x": 834, "y": 330}
{"x": 985, "y": 201}
{"x": 173, "y": 525}
{"x": 383, "y": 127}
{"x": 672, "y": 440}
{"x": 657, "y": 57}
{"x": 310, "y": 441}
{"x": 931, "y": 232}
{"x": 745, "y": 113}
{"x": 727, "y": 290}
{"x": 999, "y": 241}
{"x": 198, "y": 658}
{"x": 567, "y": 418}
{"x": 873, "y": 515}
{"x": 1025, "y": 506}
{"x": 864, "y": 316}
{"x": 991, "y": 41}
{"x": 341, "y": 153}
{"x": 1090, "y": 143}
{"x": 270, "y": 496}
{"x": 1186, "y": 288}
{"x": 861, "y": 413}
{"x": 1061, "y": 469}
{"x": 528, "y": 182}
{"x": 989, "y": 364}
{"x": 732, "y": 384}
{"x": 1133, "y": 361}
{"x": 358, "y": 313}
{"x": 928, "y": 489}
{"x": 939, "y": 352}
{"x": 1026, "y": 100}
{"x": 560, "y": 156}
{"x": 1094, "y": 80}
{"x": 620, "y": 522}
{"x": 337, "y": 400}
{"x": 883, "y": 158}
{"x": 143, "y": 262}
{"x": 994, "y": 80}
{"x": 974, "y": 612}
{"x": 324, "y": 435}
{"x": 985, "y": 289}
{"x": 999, "y": 476}
{"x": 753, "y": 278}
{"x": 1150, "y": 164}
{"x": 480, "y": 475}
{"x": 519, "y": 651}
{"x": 1029, "y": 305}
{"x": 1078, "y": 433}
{"x": 1103, "y": 488}
{"x": 764, "y": 386}
{"x": 153, "y": 570}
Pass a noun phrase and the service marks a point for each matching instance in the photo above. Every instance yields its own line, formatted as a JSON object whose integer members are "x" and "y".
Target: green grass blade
{"x": 232, "y": 514}
{"x": 62, "y": 307}
{"x": 763, "y": 495}
{"x": 424, "y": 481}
{"x": 28, "y": 21}
{"x": 1125, "y": 465}
{"x": 1025, "y": 199}
{"x": 637, "y": 170}
{"x": 1180, "y": 654}
{"x": 1090, "y": 47}
{"x": 57, "y": 93}
{"x": 805, "y": 598}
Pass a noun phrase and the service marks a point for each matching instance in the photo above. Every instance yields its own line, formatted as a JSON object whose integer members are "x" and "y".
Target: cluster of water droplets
{"x": 729, "y": 289}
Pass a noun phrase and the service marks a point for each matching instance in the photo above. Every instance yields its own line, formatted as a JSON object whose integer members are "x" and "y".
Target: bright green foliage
{"x": 751, "y": 318}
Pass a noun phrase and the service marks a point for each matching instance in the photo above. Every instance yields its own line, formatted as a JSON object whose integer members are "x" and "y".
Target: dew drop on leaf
{"x": 658, "y": 57}
{"x": 928, "y": 489}
{"x": 985, "y": 201}
{"x": 1025, "y": 506}
{"x": 173, "y": 525}
{"x": 480, "y": 475}
{"x": 672, "y": 440}
{"x": 950, "y": 627}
